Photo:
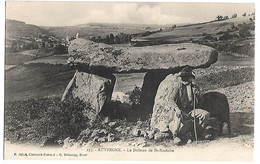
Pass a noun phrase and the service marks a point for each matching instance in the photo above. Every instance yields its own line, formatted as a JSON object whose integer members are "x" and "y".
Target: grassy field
{"x": 20, "y": 58}
{"x": 199, "y": 29}
{"x": 36, "y": 81}
{"x": 53, "y": 59}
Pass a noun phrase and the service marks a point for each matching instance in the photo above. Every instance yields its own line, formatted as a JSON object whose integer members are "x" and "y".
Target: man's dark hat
{"x": 187, "y": 71}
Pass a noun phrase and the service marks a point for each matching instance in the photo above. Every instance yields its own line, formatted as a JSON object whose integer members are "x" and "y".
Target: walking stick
{"x": 194, "y": 118}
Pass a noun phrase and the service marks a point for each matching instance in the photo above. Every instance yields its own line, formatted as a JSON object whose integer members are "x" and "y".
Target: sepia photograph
{"x": 129, "y": 81}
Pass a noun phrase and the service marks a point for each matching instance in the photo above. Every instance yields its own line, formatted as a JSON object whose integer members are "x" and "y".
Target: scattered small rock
{"x": 143, "y": 134}
{"x": 150, "y": 135}
{"x": 160, "y": 136}
{"x": 136, "y": 132}
{"x": 95, "y": 138}
{"x": 112, "y": 124}
{"x": 110, "y": 137}
{"x": 102, "y": 132}
{"x": 94, "y": 133}
{"x": 124, "y": 132}
{"x": 139, "y": 124}
{"x": 103, "y": 139}
{"x": 106, "y": 120}
{"x": 68, "y": 142}
{"x": 119, "y": 129}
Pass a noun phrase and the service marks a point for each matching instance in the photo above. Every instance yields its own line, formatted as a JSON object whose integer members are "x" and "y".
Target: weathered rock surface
{"x": 162, "y": 113}
{"x": 98, "y": 56}
{"x": 152, "y": 80}
{"x": 92, "y": 90}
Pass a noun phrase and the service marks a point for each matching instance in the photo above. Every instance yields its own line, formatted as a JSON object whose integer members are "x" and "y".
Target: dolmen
{"x": 96, "y": 63}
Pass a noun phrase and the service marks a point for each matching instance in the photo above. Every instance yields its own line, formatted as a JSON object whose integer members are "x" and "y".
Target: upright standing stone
{"x": 94, "y": 91}
{"x": 162, "y": 112}
{"x": 152, "y": 80}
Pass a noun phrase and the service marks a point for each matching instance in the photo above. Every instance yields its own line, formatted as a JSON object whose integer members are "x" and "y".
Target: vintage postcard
{"x": 146, "y": 81}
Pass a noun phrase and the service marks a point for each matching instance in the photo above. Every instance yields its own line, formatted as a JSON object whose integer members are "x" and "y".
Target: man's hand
{"x": 195, "y": 91}
{"x": 177, "y": 112}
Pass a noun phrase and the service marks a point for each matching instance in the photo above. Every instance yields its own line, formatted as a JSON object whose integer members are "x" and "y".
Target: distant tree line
{"x": 120, "y": 38}
{"x": 17, "y": 46}
{"x": 220, "y": 17}
{"x": 111, "y": 39}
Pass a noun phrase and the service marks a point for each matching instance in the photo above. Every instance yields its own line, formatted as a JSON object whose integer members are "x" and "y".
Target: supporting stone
{"x": 152, "y": 80}
{"x": 93, "y": 90}
{"x": 162, "y": 111}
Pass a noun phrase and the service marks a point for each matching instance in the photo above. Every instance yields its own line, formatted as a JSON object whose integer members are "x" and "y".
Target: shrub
{"x": 60, "y": 49}
{"x": 66, "y": 120}
{"x": 47, "y": 117}
{"x": 227, "y": 36}
{"x": 174, "y": 26}
{"x": 244, "y": 32}
{"x": 234, "y": 15}
{"x": 20, "y": 115}
{"x": 219, "y": 17}
{"x": 135, "y": 95}
{"x": 210, "y": 37}
{"x": 234, "y": 28}
{"x": 226, "y": 17}
{"x": 220, "y": 32}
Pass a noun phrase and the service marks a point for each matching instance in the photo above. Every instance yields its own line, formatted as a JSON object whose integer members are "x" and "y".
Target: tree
{"x": 93, "y": 39}
{"x": 234, "y": 15}
{"x": 226, "y": 17}
{"x": 117, "y": 39}
{"x": 174, "y": 26}
{"x": 98, "y": 39}
{"x": 219, "y": 17}
{"x": 107, "y": 40}
{"x": 112, "y": 39}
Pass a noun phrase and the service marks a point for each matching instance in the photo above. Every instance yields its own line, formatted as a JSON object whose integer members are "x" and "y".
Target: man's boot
{"x": 208, "y": 133}
{"x": 176, "y": 140}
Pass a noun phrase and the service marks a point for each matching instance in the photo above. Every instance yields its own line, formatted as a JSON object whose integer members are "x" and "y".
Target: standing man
{"x": 182, "y": 102}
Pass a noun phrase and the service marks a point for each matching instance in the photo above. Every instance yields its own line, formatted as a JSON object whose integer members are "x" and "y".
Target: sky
{"x": 74, "y": 13}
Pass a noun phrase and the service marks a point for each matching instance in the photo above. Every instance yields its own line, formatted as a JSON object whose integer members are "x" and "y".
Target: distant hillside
{"x": 194, "y": 30}
{"x": 99, "y": 29}
{"x": 16, "y": 28}
{"x": 233, "y": 36}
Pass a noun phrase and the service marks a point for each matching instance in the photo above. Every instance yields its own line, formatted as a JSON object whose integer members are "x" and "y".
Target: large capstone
{"x": 162, "y": 111}
{"x": 92, "y": 90}
{"x": 98, "y": 56}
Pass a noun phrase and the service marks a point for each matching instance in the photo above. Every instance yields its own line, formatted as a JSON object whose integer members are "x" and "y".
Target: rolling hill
{"x": 16, "y": 29}
{"x": 196, "y": 31}
{"x": 234, "y": 36}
